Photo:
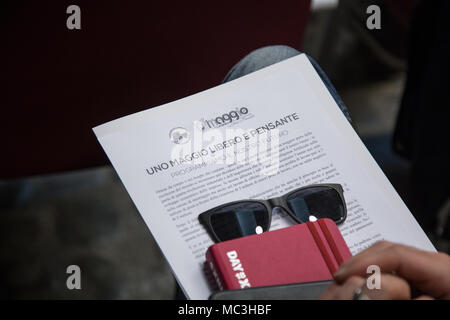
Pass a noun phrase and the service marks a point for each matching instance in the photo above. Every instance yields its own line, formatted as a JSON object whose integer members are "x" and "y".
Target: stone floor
{"x": 87, "y": 218}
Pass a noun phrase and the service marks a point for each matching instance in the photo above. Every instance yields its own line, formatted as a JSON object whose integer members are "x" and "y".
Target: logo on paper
{"x": 236, "y": 115}
{"x": 179, "y": 135}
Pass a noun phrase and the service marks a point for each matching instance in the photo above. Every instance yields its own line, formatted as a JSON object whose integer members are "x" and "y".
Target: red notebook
{"x": 305, "y": 252}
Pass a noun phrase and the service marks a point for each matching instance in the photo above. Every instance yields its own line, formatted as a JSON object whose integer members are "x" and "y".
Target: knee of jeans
{"x": 261, "y": 58}
{"x": 273, "y": 54}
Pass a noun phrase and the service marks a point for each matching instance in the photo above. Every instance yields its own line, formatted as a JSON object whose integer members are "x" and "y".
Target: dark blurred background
{"x": 61, "y": 202}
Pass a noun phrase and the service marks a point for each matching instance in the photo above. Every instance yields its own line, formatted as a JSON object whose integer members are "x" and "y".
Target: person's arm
{"x": 405, "y": 271}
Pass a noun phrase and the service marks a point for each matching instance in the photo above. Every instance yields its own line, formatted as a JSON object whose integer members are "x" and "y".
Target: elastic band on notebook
{"x": 328, "y": 259}
{"x": 330, "y": 239}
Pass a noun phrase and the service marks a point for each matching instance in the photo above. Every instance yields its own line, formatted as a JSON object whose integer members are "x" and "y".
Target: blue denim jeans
{"x": 267, "y": 56}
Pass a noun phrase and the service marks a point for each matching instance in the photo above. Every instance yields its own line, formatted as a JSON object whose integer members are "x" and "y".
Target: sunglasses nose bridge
{"x": 276, "y": 202}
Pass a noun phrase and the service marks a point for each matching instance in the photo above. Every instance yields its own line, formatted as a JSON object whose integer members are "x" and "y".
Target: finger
{"x": 348, "y": 289}
{"x": 425, "y": 270}
{"x": 390, "y": 288}
{"x": 344, "y": 291}
{"x": 390, "y": 256}
{"x": 404, "y": 260}
{"x": 357, "y": 265}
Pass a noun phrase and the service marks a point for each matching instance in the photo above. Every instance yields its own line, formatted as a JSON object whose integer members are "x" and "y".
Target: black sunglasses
{"x": 246, "y": 217}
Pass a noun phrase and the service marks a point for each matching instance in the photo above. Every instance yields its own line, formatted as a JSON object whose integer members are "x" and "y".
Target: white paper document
{"x": 256, "y": 137}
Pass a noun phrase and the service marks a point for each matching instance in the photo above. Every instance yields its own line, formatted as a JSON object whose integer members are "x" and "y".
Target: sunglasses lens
{"x": 317, "y": 203}
{"x": 240, "y": 219}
